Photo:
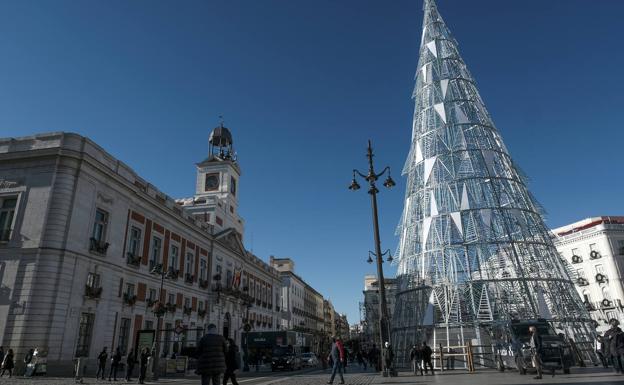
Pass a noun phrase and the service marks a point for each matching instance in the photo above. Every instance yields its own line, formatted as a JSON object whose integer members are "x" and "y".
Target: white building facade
{"x": 594, "y": 248}
{"x": 91, "y": 254}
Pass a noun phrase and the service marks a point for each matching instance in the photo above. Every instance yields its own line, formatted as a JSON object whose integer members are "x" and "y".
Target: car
{"x": 285, "y": 359}
{"x": 556, "y": 351}
{"x": 309, "y": 360}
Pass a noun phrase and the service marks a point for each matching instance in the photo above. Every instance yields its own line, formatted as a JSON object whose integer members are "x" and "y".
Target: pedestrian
{"x": 343, "y": 354}
{"x": 535, "y": 342}
{"x": 600, "y": 351}
{"x": 619, "y": 349}
{"x": 8, "y": 364}
{"x": 27, "y": 360}
{"x": 145, "y": 354}
{"x": 611, "y": 338}
{"x": 360, "y": 360}
{"x": 374, "y": 358}
{"x": 426, "y": 356}
{"x": 101, "y": 363}
{"x": 336, "y": 355}
{"x": 211, "y": 356}
{"x": 388, "y": 356}
{"x": 115, "y": 360}
{"x": 450, "y": 360}
{"x": 416, "y": 358}
{"x": 231, "y": 362}
{"x": 131, "y": 359}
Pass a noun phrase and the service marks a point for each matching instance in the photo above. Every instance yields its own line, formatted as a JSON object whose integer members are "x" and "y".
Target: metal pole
{"x": 383, "y": 309}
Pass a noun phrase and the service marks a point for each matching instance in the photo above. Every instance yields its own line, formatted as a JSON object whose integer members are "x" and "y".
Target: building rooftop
{"x": 587, "y": 223}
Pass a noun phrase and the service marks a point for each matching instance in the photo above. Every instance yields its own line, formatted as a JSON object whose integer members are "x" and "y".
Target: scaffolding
{"x": 474, "y": 252}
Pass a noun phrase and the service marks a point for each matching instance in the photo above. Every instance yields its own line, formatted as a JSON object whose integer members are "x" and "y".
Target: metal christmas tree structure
{"x": 474, "y": 252}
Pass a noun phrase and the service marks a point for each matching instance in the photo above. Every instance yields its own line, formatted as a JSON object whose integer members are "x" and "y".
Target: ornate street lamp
{"x": 371, "y": 177}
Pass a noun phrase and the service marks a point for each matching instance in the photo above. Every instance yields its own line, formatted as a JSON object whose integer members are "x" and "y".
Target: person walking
{"x": 416, "y": 358}
{"x": 131, "y": 359}
{"x": 336, "y": 355}
{"x": 231, "y": 362}
{"x": 388, "y": 356}
{"x": 145, "y": 354}
{"x": 535, "y": 342}
{"x": 8, "y": 364}
{"x": 115, "y": 360}
{"x": 27, "y": 360}
{"x": 611, "y": 337}
{"x": 211, "y": 356}
{"x": 101, "y": 363}
{"x": 600, "y": 351}
{"x": 426, "y": 356}
{"x": 619, "y": 349}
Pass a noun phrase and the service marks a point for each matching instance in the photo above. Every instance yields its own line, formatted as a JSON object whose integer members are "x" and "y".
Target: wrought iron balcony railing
{"x": 98, "y": 246}
{"x": 133, "y": 259}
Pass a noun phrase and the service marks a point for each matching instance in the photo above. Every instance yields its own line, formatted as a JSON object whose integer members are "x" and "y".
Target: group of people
{"x": 217, "y": 357}
{"x": 7, "y": 361}
{"x": 610, "y": 347}
{"x": 131, "y": 361}
{"x": 420, "y": 357}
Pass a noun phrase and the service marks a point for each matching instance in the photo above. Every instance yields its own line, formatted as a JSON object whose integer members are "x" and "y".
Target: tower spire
{"x": 474, "y": 251}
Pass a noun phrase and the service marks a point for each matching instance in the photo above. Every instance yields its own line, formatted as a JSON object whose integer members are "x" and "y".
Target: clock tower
{"x": 216, "y": 187}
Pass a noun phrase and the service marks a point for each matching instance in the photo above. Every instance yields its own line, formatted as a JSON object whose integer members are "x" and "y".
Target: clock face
{"x": 212, "y": 182}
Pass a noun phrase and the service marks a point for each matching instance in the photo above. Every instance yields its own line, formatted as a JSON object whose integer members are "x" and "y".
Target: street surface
{"x": 353, "y": 377}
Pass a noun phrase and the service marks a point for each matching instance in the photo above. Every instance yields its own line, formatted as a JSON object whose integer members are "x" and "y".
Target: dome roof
{"x": 220, "y": 137}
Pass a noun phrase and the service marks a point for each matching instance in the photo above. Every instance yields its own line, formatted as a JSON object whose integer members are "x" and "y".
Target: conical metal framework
{"x": 474, "y": 251}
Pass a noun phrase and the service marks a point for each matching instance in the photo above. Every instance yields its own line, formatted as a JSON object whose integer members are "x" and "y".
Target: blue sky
{"x": 303, "y": 85}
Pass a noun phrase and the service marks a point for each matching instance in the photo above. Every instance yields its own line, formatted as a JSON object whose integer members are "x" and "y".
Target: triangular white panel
{"x": 440, "y": 110}
{"x": 444, "y": 86}
{"x": 432, "y": 47}
{"x": 486, "y": 214}
{"x": 424, "y": 73}
{"x": 419, "y": 156}
{"x": 425, "y": 233}
{"x": 434, "y": 205}
{"x": 489, "y": 160}
{"x": 464, "y": 199}
{"x": 429, "y": 162}
{"x": 461, "y": 116}
{"x": 456, "y": 216}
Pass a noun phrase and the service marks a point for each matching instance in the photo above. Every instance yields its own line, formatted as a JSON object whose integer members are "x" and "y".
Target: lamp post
{"x": 371, "y": 178}
{"x": 159, "y": 269}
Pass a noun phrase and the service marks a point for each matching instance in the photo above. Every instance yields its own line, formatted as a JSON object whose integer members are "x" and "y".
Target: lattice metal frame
{"x": 474, "y": 251}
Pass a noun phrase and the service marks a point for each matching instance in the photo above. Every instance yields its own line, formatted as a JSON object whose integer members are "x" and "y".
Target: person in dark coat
{"x": 416, "y": 358}
{"x": 231, "y": 362}
{"x": 101, "y": 363}
{"x": 388, "y": 356}
{"x": 130, "y": 361}
{"x": 336, "y": 355}
{"x": 535, "y": 342}
{"x": 145, "y": 354}
{"x": 600, "y": 351}
{"x": 426, "y": 356}
{"x": 27, "y": 360}
{"x": 611, "y": 337}
{"x": 115, "y": 360}
{"x": 8, "y": 364}
{"x": 211, "y": 356}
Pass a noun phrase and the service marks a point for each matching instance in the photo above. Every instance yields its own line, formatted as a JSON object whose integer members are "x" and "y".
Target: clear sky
{"x": 302, "y": 85}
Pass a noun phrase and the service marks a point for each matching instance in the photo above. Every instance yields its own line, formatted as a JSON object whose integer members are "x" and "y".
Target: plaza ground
{"x": 353, "y": 377}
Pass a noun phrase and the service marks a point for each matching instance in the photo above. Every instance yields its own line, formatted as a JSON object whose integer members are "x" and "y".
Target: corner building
{"x": 91, "y": 253}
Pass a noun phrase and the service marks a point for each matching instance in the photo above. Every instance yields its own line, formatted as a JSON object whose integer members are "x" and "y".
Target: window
{"x": 202, "y": 269}
{"x": 99, "y": 225}
{"x": 152, "y": 295}
{"x": 173, "y": 258}
{"x": 187, "y": 303}
{"x": 171, "y": 298}
{"x": 228, "y": 281}
{"x": 592, "y": 246}
{"x": 218, "y": 270}
{"x": 134, "y": 244}
{"x": 85, "y": 331}
{"x": 200, "y": 306}
{"x": 129, "y": 289}
{"x": 124, "y": 335}
{"x": 575, "y": 252}
{"x": 155, "y": 256}
{"x": 7, "y": 212}
{"x": 233, "y": 185}
{"x": 149, "y": 325}
{"x": 188, "y": 268}
{"x": 599, "y": 269}
{"x": 93, "y": 280}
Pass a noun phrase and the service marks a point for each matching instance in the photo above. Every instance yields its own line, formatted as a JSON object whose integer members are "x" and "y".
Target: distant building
{"x": 370, "y": 307}
{"x": 329, "y": 317}
{"x": 86, "y": 245}
{"x": 342, "y": 325}
{"x": 594, "y": 248}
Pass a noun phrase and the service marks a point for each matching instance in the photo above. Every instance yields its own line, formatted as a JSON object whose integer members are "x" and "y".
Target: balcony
{"x": 201, "y": 313}
{"x": 159, "y": 309}
{"x": 97, "y": 246}
{"x": 187, "y": 310}
{"x": 155, "y": 268}
{"x": 93, "y": 292}
{"x": 203, "y": 283}
{"x": 188, "y": 278}
{"x": 171, "y": 307}
{"x": 150, "y": 302}
{"x": 172, "y": 273}
{"x": 129, "y": 299}
{"x": 582, "y": 281}
{"x": 133, "y": 259}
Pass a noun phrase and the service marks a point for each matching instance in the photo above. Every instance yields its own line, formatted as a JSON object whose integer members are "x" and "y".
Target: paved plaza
{"x": 319, "y": 377}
